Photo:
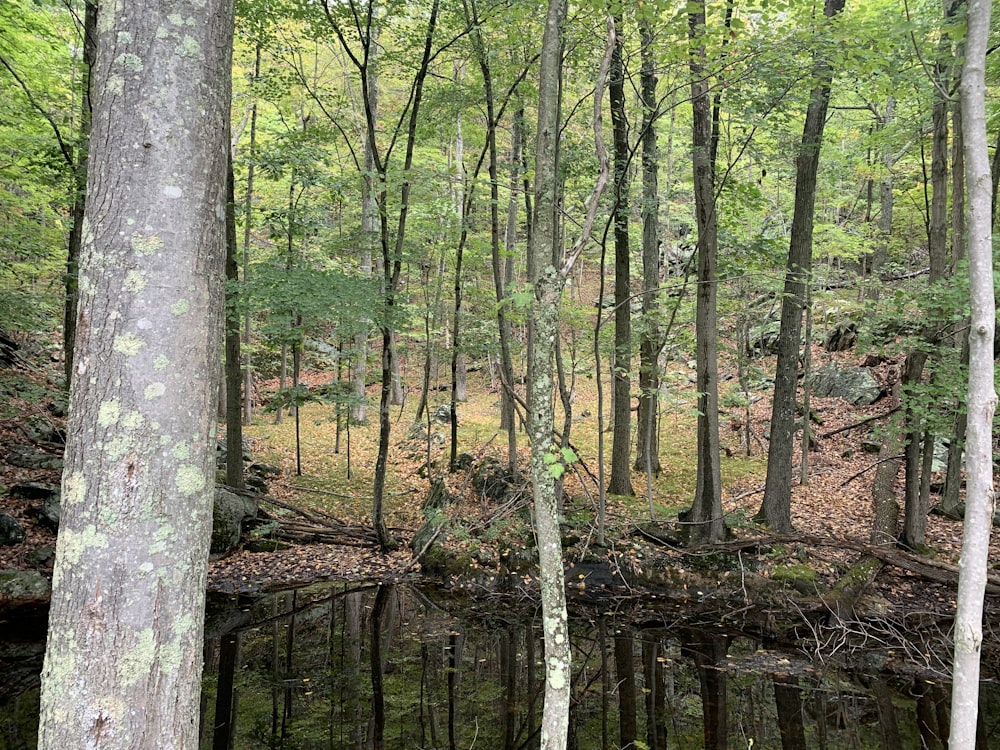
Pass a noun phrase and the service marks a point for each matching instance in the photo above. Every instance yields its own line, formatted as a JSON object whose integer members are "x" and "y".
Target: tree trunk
{"x": 126, "y": 620}
{"x": 620, "y": 482}
{"x": 79, "y": 190}
{"x": 625, "y": 676}
{"x": 953, "y": 476}
{"x": 248, "y": 389}
{"x": 369, "y": 232}
{"x": 548, "y": 287}
{"x": 886, "y": 200}
{"x": 392, "y": 261}
{"x": 982, "y": 398}
{"x": 233, "y": 374}
{"x": 707, "y": 525}
{"x": 647, "y": 454}
{"x": 776, "y": 508}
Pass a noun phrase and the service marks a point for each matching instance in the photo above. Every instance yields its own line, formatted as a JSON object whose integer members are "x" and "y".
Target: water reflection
{"x": 359, "y": 667}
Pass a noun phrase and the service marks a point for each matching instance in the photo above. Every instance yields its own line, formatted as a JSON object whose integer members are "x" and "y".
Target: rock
{"x": 493, "y": 480}
{"x": 33, "y": 490}
{"x": 871, "y": 446}
{"x": 442, "y": 415}
{"x": 47, "y": 514}
{"x": 29, "y": 457}
{"x": 856, "y": 385}
{"x": 23, "y": 584}
{"x": 38, "y": 429}
{"x": 438, "y": 500}
{"x": 229, "y": 511}
{"x": 763, "y": 339}
{"x": 56, "y": 408}
{"x": 42, "y": 556}
{"x": 11, "y": 532}
{"x": 841, "y": 337}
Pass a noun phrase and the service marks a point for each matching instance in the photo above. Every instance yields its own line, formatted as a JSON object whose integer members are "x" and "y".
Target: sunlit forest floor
{"x": 831, "y": 511}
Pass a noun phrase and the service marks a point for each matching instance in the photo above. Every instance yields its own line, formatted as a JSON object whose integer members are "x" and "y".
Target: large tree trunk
{"x": 548, "y": 287}
{"x": 982, "y": 398}
{"x": 123, "y": 661}
{"x": 706, "y": 520}
{"x": 620, "y": 482}
{"x": 776, "y": 508}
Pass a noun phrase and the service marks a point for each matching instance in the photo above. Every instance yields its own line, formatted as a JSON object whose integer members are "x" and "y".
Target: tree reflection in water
{"x": 357, "y": 667}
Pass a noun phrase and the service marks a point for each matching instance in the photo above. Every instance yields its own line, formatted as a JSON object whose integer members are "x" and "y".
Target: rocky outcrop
{"x": 230, "y": 511}
{"x": 856, "y": 385}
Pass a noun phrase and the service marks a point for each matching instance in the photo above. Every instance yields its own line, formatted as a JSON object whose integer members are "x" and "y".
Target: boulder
{"x": 47, "y": 514}
{"x": 39, "y": 429}
{"x": 856, "y": 385}
{"x": 33, "y": 490}
{"x": 841, "y": 337}
{"x": 229, "y": 512}
{"x": 762, "y": 339}
{"x": 23, "y": 584}
{"x": 11, "y": 532}
{"x": 29, "y": 457}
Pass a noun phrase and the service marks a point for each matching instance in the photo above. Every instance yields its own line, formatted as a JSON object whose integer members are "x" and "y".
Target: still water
{"x": 339, "y": 666}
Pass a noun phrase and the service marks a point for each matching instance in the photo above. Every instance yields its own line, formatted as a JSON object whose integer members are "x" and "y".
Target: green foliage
{"x": 39, "y": 52}
{"x": 557, "y": 460}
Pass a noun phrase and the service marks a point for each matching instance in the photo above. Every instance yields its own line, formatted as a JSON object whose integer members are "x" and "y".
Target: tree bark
{"x": 625, "y": 676}
{"x": 776, "y": 508}
{"x": 79, "y": 189}
{"x": 123, "y": 663}
{"x": 620, "y": 482}
{"x": 369, "y": 230}
{"x": 233, "y": 374}
{"x": 707, "y": 525}
{"x": 247, "y": 234}
{"x": 982, "y": 398}
{"x": 547, "y": 289}
{"x": 647, "y": 454}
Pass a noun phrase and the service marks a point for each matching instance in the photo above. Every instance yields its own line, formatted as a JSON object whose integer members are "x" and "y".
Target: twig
{"x": 416, "y": 558}
{"x": 863, "y": 422}
{"x": 869, "y": 468}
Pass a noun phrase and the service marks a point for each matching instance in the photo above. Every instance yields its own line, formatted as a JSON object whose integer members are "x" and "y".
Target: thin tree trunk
{"x": 620, "y": 482}
{"x": 392, "y": 252}
{"x": 982, "y": 397}
{"x": 79, "y": 189}
{"x": 247, "y": 230}
{"x": 233, "y": 373}
{"x": 369, "y": 231}
{"x": 548, "y": 287}
{"x": 705, "y": 517}
{"x": 776, "y": 508}
{"x": 647, "y": 454}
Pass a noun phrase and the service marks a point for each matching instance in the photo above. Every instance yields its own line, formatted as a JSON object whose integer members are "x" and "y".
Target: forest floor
{"x": 832, "y": 513}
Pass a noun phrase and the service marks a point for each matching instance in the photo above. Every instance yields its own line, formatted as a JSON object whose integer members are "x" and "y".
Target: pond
{"x": 405, "y": 666}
